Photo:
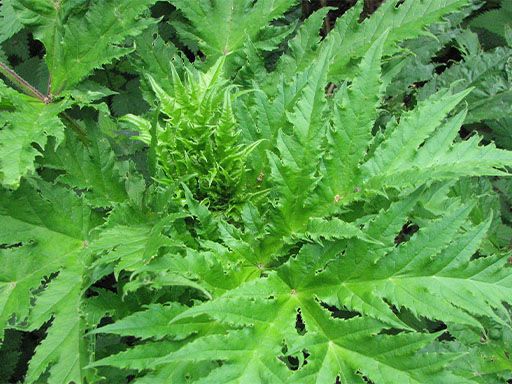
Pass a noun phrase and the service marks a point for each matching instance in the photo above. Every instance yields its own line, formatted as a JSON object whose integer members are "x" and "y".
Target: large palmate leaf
{"x": 290, "y": 307}
{"x": 316, "y": 176}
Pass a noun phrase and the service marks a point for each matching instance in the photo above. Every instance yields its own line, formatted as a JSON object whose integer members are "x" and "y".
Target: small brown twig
{"x": 330, "y": 89}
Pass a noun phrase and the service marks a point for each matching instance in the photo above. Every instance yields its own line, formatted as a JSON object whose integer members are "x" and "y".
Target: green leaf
{"x": 405, "y": 21}
{"x": 44, "y": 230}
{"x": 26, "y": 122}
{"x": 495, "y": 20}
{"x": 354, "y": 117}
{"x": 424, "y": 274}
{"x": 294, "y": 170}
{"x": 303, "y": 47}
{"x": 80, "y": 38}
{"x": 338, "y": 347}
{"x": 151, "y": 323}
{"x": 486, "y": 72}
{"x": 93, "y": 168}
{"x": 411, "y": 132}
{"x": 240, "y": 20}
{"x": 157, "y": 58}
{"x": 64, "y": 349}
{"x": 130, "y": 247}
{"x": 439, "y": 159}
{"x": 9, "y": 22}
{"x": 139, "y": 357}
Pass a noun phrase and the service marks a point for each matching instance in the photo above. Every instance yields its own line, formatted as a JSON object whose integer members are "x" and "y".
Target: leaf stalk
{"x": 22, "y": 84}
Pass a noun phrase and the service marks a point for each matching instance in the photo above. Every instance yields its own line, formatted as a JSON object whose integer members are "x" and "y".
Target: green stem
{"x": 22, "y": 84}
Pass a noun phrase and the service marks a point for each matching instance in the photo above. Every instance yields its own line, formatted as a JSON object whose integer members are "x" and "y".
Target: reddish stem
{"x": 22, "y": 84}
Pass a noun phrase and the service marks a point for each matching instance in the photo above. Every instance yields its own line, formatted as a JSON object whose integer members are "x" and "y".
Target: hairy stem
{"x": 22, "y": 84}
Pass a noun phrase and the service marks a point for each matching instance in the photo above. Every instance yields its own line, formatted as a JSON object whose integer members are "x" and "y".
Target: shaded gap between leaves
{"x": 340, "y": 313}
{"x": 406, "y": 232}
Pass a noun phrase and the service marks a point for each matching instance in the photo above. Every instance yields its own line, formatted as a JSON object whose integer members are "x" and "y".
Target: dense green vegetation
{"x": 255, "y": 191}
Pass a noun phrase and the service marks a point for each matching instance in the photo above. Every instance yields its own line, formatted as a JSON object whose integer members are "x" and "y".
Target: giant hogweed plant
{"x": 264, "y": 228}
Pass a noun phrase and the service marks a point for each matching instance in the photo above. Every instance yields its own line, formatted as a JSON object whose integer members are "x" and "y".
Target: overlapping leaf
{"x": 44, "y": 231}
{"x": 24, "y": 121}
{"x": 80, "y": 38}
{"x": 240, "y": 20}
